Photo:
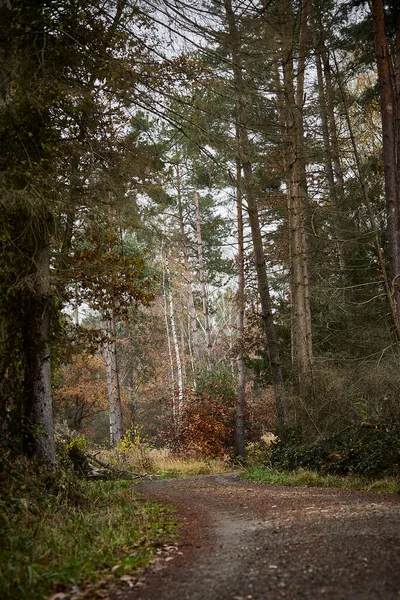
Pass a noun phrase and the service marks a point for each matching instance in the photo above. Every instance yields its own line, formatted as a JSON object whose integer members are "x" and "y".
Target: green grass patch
{"x": 303, "y": 478}
{"x": 52, "y": 546}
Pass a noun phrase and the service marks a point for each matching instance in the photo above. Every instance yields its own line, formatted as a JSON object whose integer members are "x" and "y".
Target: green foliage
{"x": 255, "y": 453}
{"x": 133, "y": 451}
{"x": 132, "y": 438}
{"x": 59, "y": 531}
{"x": 71, "y": 453}
{"x": 369, "y": 451}
{"x": 218, "y": 380}
{"x": 304, "y": 478}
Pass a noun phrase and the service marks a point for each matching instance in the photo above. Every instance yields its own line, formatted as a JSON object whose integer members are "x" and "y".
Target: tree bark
{"x": 241, "y": 369}
{"x": 179, "y": 407}
{"x": 203, "y": 282}
{"x": 327, "y": 154}
{"x": 119, "y": 425}
{"x": 302, "y": 354}
{"x": 251, "y": 197}
{"x": 171, "y": 360}
{"x": 188, "y": 273}
{"x": 110, "y": 390}
{"x": 390, "y": 106}
{"x": 38, "y": 407}
{"x": 330, "y": 107}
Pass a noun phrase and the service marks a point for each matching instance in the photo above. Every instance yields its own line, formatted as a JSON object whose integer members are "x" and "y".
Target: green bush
{"x": 71, "y": 451}
{"x": 362, "y": 450}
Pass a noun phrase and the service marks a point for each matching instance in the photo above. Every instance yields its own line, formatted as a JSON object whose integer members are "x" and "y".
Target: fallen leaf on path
{"x": 128, "y": 579}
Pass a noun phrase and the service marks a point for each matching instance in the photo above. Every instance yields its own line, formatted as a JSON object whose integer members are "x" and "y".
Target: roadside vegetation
{"x": 361, "y": 458}
{"x": 80, "y": 528}
{"x": 62, "y": 532}
{"x": 304, "y": 478}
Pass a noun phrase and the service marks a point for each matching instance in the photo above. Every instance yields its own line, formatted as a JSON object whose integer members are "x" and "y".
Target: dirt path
{"x": 244, "y": 540}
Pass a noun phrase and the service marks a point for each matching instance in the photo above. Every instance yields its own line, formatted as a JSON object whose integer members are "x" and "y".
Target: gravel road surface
{"x": 252, "y": 541}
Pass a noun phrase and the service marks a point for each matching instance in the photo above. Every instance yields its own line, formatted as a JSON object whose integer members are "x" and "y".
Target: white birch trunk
{"x": 110, "y": 390}
{"x": 179, "y": 407}
{"x": 171, "y": 360}
{"x": 119, "y": 425}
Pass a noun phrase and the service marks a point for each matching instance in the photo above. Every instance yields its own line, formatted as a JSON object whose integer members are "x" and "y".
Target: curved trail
{"x": 244, "y": 540}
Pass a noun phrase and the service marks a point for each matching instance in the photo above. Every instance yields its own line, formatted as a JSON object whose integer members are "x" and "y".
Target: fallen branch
{"x": 117, "y": 471}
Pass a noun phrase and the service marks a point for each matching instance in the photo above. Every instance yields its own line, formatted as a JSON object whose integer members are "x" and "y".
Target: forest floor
{"x": 242, "y": 540}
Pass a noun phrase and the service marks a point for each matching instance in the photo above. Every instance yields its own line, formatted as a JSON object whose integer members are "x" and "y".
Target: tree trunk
{"x": 251, "y": 196}
{"x": 301, "y": 314}
{"x": 183, "y": 354}
{"x": 330, "y": 107}
{"x": 390, "y": 108}
{"x": 110, "y": 389}
{"x": 188, "y": 273}
{"x": 203, "y": 283}
{"x": 38, "y": 408}
{"x": 179, "y": 407}
{"x": 171, "y": 360}
{"x": 119, "y": 425}
{"x": 241, "y": 376}
{"x": 327, "y": 154}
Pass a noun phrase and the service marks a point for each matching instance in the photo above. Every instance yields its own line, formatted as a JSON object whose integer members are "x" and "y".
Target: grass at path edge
{"x": 389, "y": 485}
{"x": 57, "y": 547}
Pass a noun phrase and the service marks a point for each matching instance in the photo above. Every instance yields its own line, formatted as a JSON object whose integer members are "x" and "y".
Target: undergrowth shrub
{"x": 364, "y": 450}
{"x": 60, "y": 531}
{"x": 28, "y": 486}
{"x": 206, "y": 427}
{"x": 343, "y": 396}
{"x": 134, "y": 451}
{"x": 71, "y": 450}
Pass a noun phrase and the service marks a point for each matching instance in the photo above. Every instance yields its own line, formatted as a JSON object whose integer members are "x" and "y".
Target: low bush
{"x": 134, "y": 452}
{"x": 206, "y": 428}
{"x": 59, "y": 531}
{"x": 364, "y": 450}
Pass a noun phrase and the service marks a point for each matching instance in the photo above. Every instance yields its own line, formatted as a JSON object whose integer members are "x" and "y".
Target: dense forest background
{"x": 200, "y": 228}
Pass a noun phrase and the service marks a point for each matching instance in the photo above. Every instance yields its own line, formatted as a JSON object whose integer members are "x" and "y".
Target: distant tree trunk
{"x": 179, "y": 407}
{"x": 188, "y": 273}
{"x": 330, "y": 107}
{"x": 251, "y": 197}
{"x": 327, "y": 153}
{"x": 171, "y": 359}
{"x": 342, "y": 224}
{"x": 119, "y": 425}
{"x": 301, "y": 315}
{"x": 183, "y": 353}
{"x": 110, "y": 388}
{"x": 38, "y": 407}
{"x": 203, "y": 281}
{"x": 241, "y": 377}
{"x": 390, "y": 114}
{"x": 192, "y": 363}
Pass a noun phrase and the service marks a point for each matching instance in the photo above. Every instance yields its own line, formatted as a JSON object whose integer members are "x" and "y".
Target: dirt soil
{"x": 242, "y": 540}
